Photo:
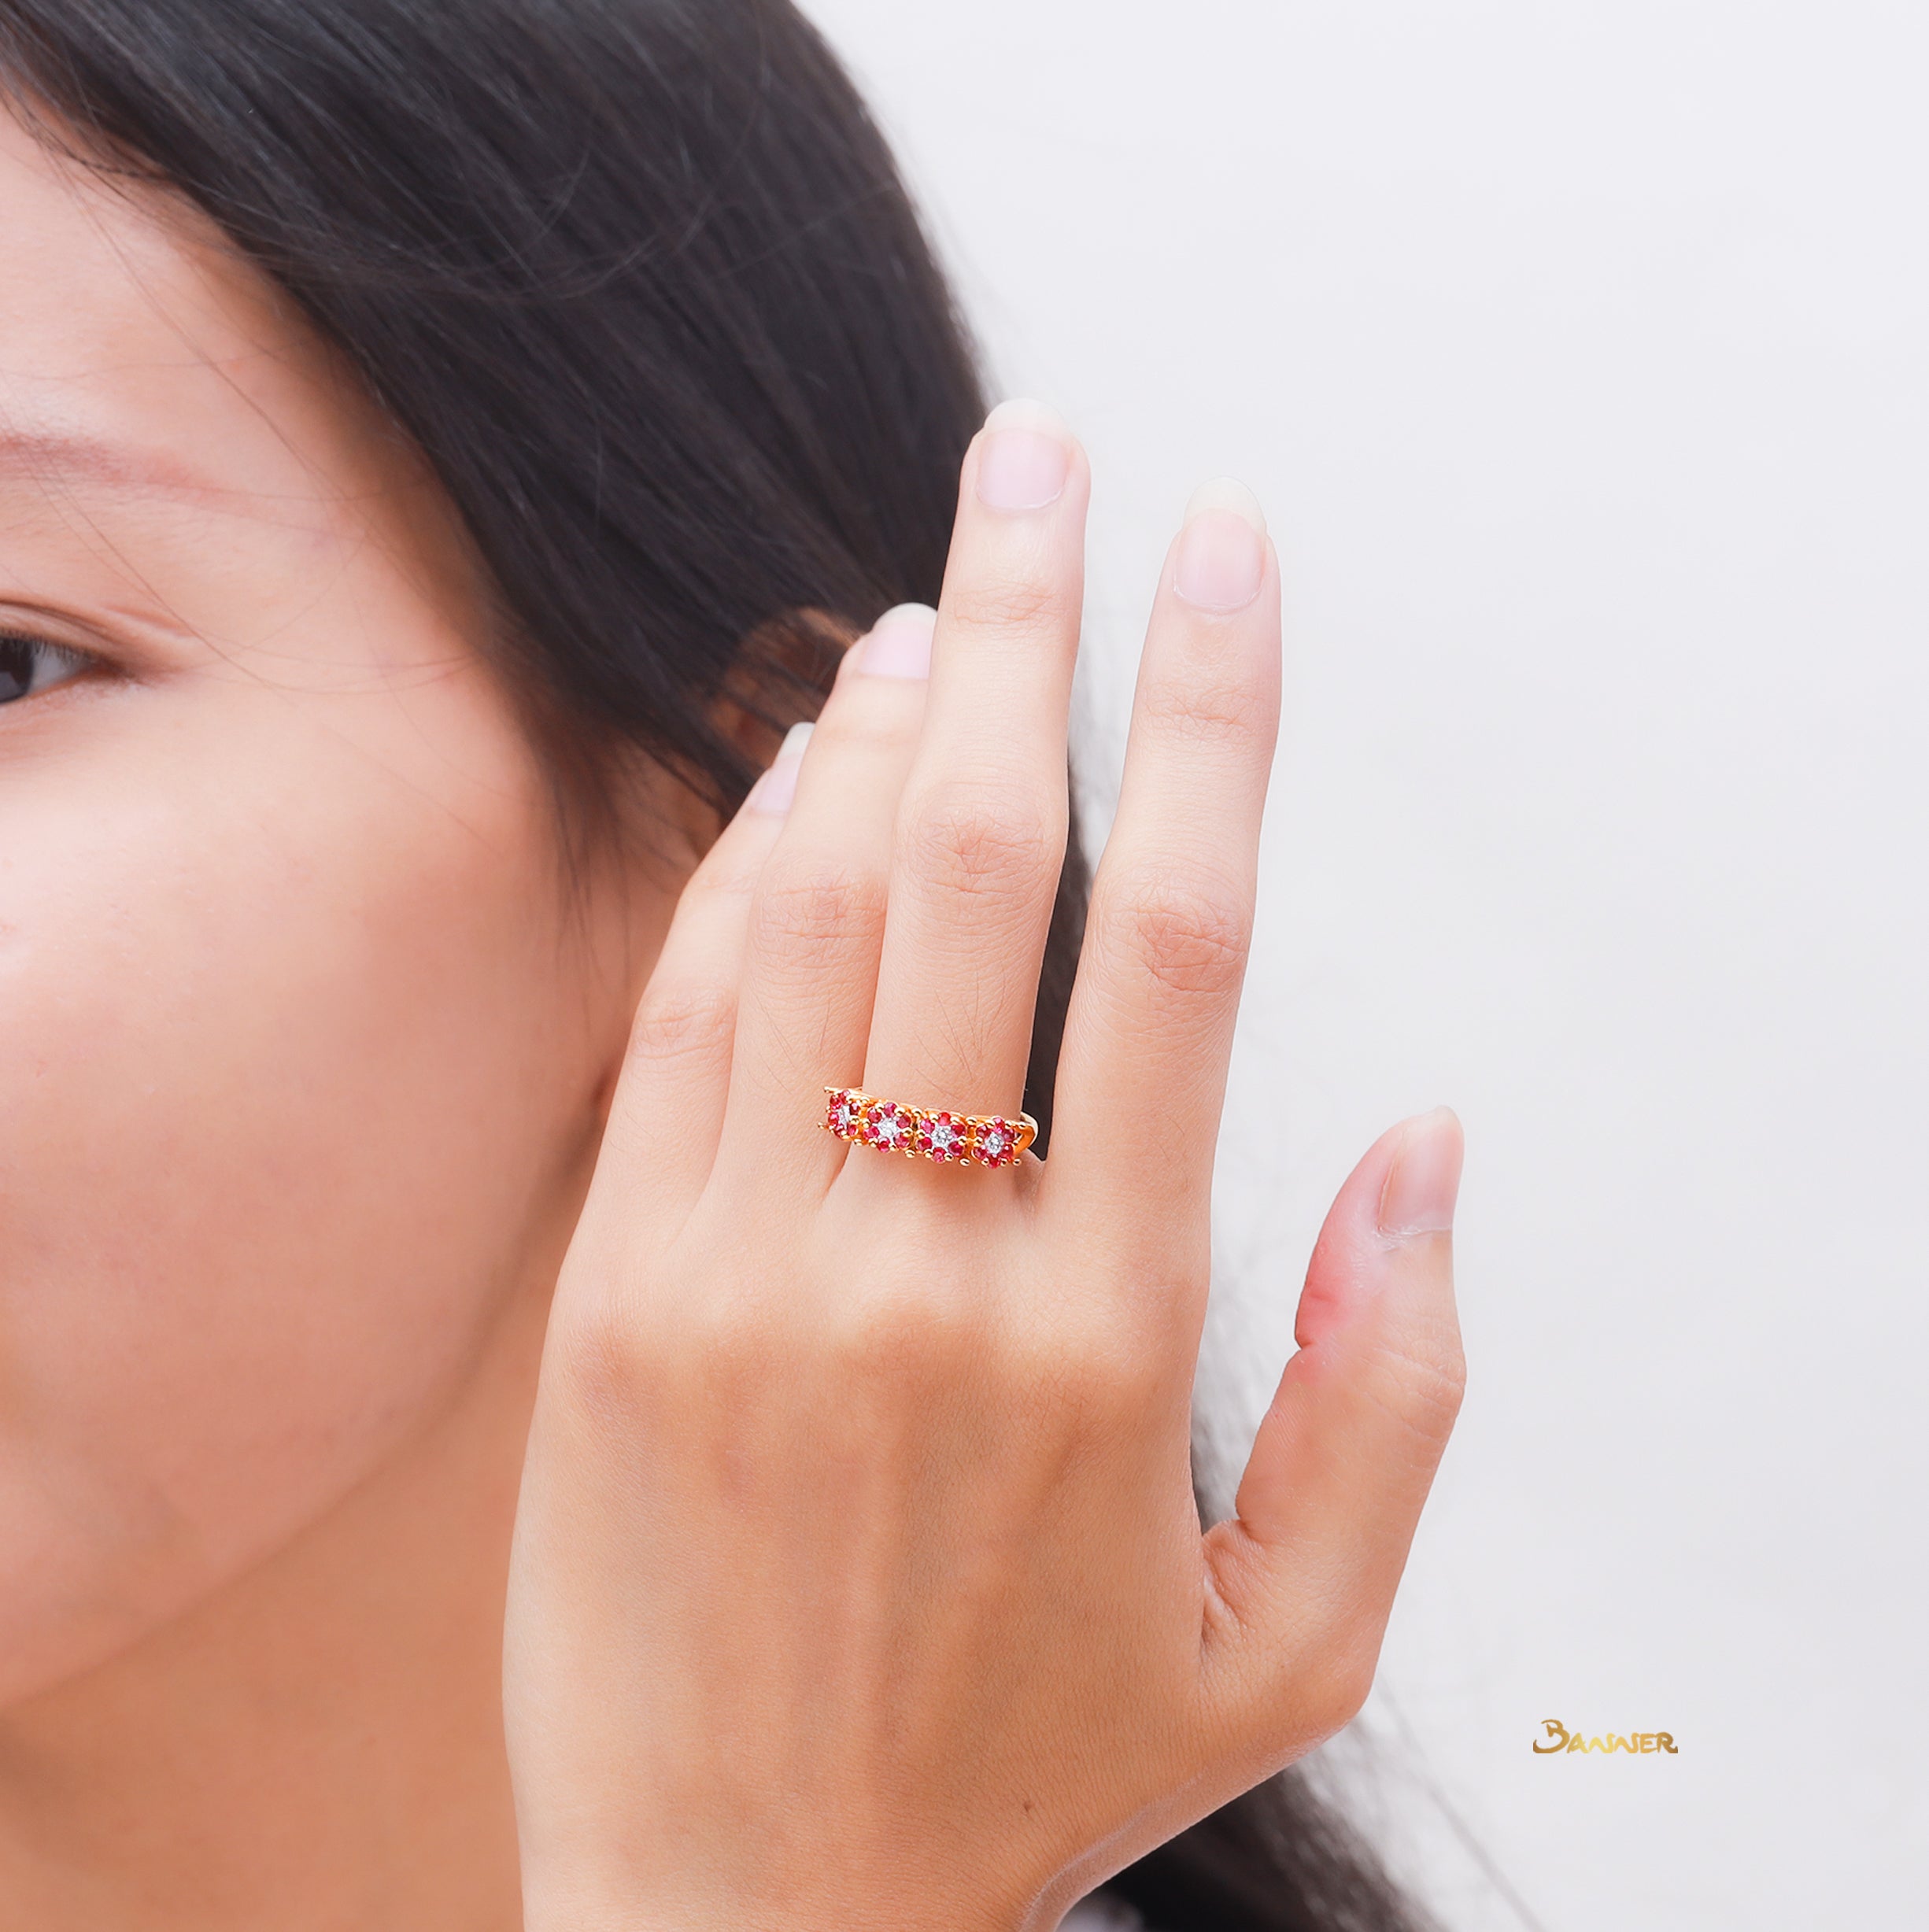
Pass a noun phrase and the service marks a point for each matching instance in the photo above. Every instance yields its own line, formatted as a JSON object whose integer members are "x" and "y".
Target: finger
{"x": 980, "y": 830}
{"x": 1302, "y": 1577}
{"x": 666, "y": 1111}
{"x": 817, "y": 918}
{"x": 1141, "y": 1071}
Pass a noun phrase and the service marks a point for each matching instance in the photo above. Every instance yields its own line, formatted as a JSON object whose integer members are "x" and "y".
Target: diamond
{"x": 994, "y": 1141}
{"x": 944, "y": 1136}
{"x": 889, "y": 1127}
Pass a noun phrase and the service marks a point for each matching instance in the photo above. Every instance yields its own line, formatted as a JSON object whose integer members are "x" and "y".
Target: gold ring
{"x": 986, "y": 1139}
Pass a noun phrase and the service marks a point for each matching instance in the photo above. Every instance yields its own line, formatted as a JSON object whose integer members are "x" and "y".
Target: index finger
{"x": 1142, "y": 1073}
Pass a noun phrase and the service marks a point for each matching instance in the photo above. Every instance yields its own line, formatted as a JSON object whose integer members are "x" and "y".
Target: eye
{"x": 28, "y": 665}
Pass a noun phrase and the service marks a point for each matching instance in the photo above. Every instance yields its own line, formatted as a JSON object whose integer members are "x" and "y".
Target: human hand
{"x": 858, "y": 1580}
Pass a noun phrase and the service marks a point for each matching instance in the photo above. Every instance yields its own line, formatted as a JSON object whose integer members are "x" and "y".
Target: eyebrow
{"x": 45, "y": 455}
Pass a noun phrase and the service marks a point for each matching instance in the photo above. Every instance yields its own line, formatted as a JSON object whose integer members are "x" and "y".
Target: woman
{"x": 443, "y": 443}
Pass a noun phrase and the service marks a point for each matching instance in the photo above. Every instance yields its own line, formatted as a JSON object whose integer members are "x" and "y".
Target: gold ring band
{"x": 981, "y": 1139}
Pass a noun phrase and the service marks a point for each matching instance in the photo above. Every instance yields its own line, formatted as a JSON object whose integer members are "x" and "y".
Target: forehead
{"x": 137, "y": 351}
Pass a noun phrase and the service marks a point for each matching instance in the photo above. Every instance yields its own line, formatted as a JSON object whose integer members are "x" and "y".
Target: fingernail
{"x": 900, "y": 643}
{"x": 1424, "y": 1182}
{"x": 1222, "y": 547}
{"x": 774, "y": 791}
{"x": 1026, "y": 456}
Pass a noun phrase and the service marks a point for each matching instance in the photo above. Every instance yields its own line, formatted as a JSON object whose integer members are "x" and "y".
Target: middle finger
{"x": 980, "y": 830}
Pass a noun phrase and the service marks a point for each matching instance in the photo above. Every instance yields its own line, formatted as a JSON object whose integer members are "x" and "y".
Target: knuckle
{"x": 867, "y": 716}
{"x": 897, "y": 1344}
{"x": 1118, "y": 1382}
{"x": 1190, "y": 938}
{"x": 1103, "y": 1375}
{"x": 1215, "y": 711}
{"x": 1342, "y": 1685}
{"x": 683, "y": 1025}
{"x": 1041, "y": 1370}
{"x": 627, "y": 1358}
{"x": 1319, "y": 1680}
{"x": 1013, "y": 604}
{"x": 999, "y": 842}
{"x": 597, "y": 1357}
{"x": 1421, "y": 1384}
{"x": 819, "y": 911}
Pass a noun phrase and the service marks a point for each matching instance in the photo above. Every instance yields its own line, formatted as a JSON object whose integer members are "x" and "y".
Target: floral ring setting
{"x": 961, "y": 1139}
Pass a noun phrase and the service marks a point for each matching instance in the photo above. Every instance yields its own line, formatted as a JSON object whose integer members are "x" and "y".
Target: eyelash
{"x": 14, "y": 645}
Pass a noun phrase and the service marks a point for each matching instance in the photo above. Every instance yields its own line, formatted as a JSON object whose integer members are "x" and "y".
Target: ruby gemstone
{"x": 889, "y": 1127}
{"x": 943, "y": 1137}
{"x": 996, "y": 1141}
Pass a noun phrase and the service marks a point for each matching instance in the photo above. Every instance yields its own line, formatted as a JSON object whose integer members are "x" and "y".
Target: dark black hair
{"x": 640, "y": 279}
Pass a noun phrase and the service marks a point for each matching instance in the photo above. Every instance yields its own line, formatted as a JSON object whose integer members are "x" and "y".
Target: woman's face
{"x": 301, "y": 1066}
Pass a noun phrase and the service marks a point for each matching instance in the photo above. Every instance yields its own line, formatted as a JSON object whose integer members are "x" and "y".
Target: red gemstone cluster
{"x": 987, "y": 1139}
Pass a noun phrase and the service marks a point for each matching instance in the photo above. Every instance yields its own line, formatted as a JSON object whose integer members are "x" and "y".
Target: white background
{"x": 1578, "y": 354}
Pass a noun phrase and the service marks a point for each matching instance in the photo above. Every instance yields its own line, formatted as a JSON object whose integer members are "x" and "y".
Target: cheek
{"x": 285, "y": 1082}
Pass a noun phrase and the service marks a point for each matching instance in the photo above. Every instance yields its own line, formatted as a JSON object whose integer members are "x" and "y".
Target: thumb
{"x": 1305, "y": 1571}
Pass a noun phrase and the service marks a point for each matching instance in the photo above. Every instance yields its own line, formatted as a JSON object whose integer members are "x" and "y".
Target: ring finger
{"x": 816, "y": 922}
